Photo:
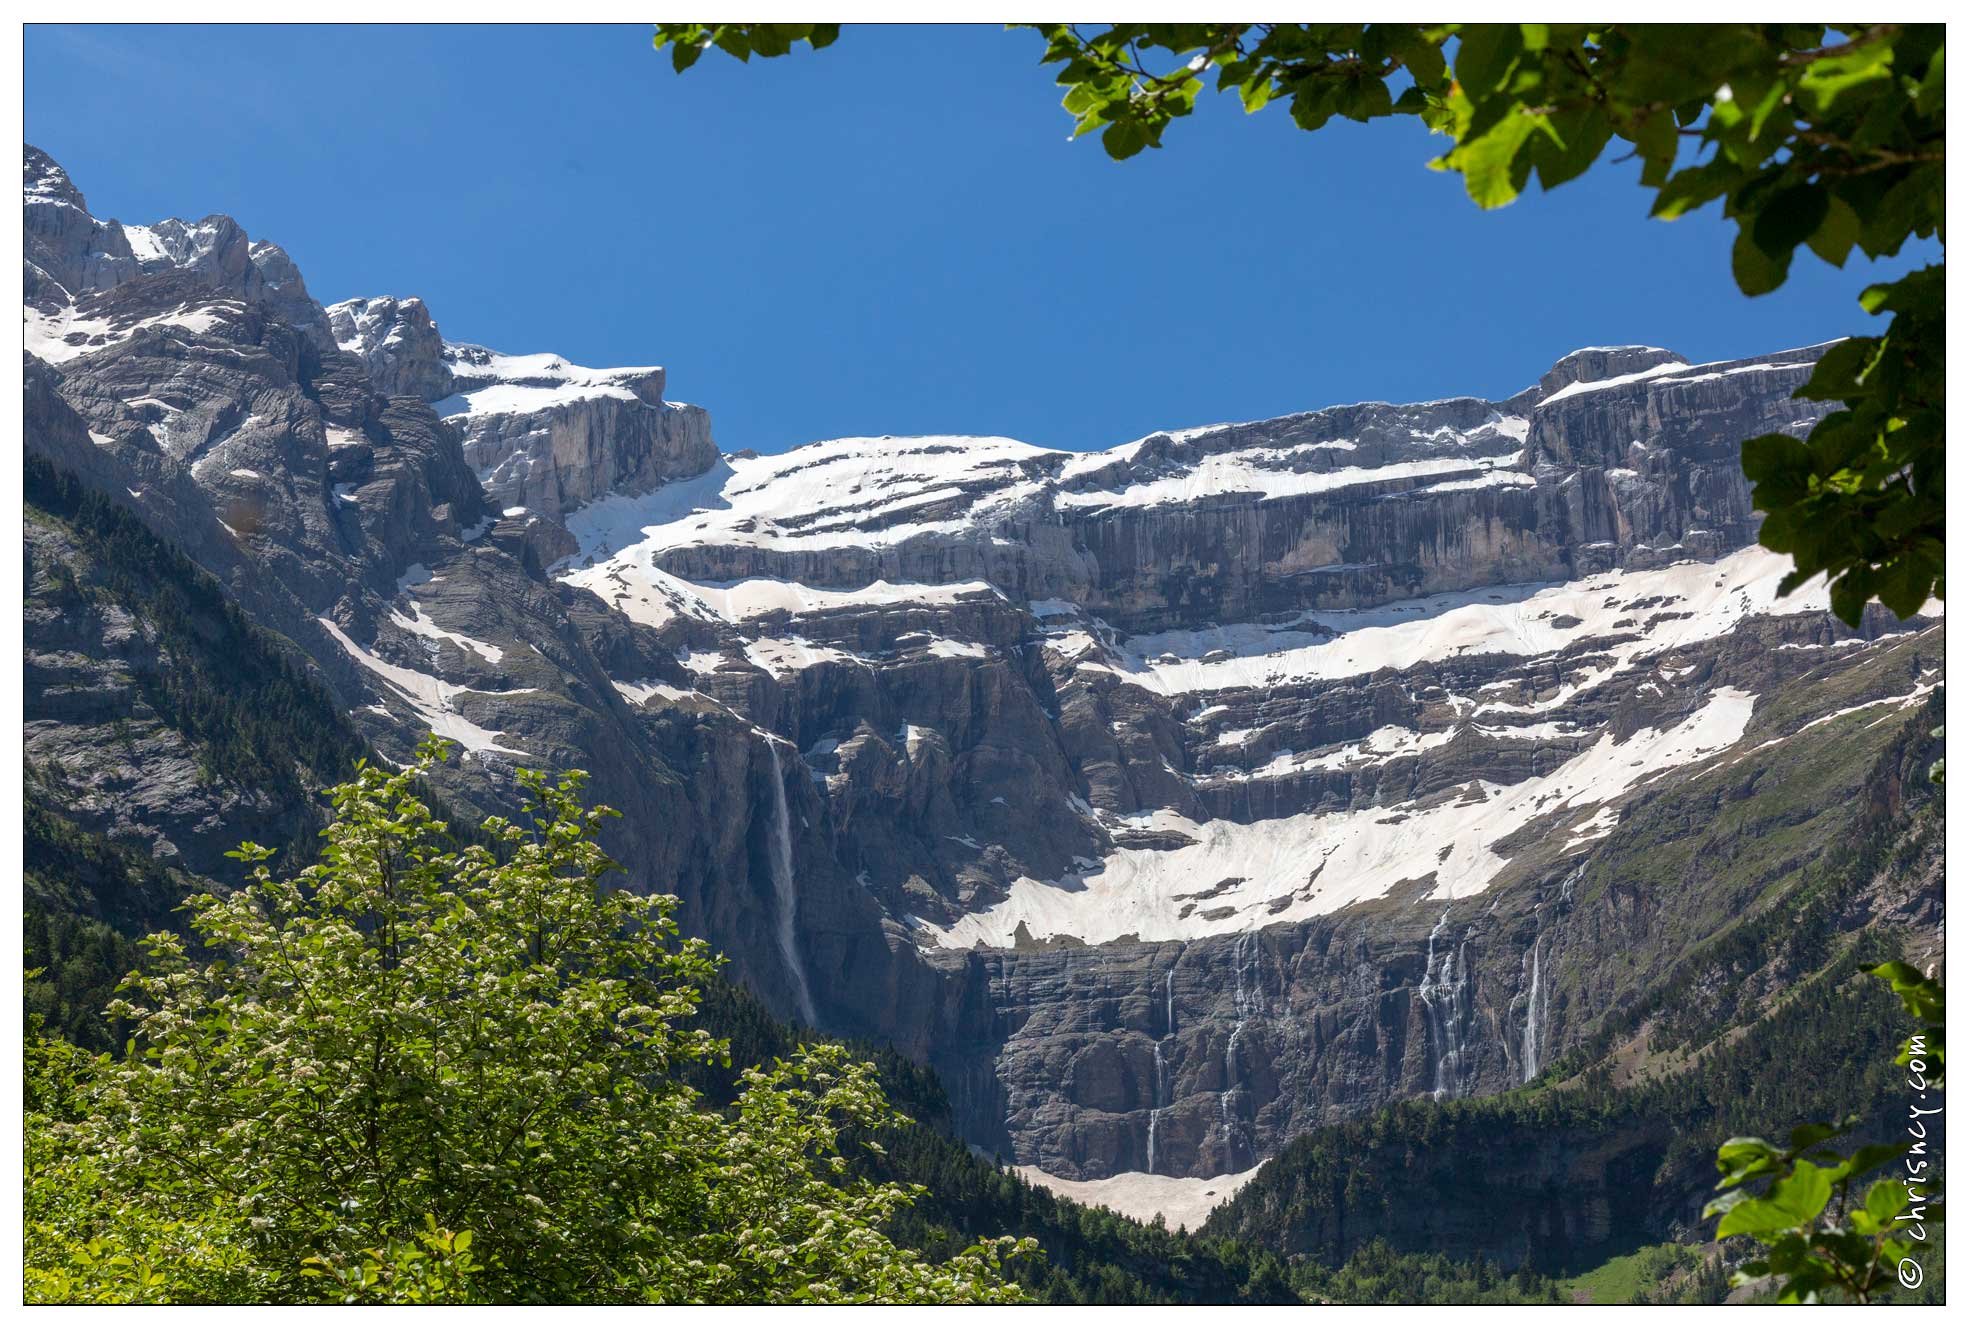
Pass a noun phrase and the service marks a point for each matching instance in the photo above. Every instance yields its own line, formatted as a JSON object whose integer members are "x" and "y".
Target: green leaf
{"x": 1868, "y": 1157}
{"x": 1804, "y": 1137}
{"x": 1849, "y": 594}
{"x": 1789, "y": 217}
{"x": 1836, "y": 235}
{"x": 1898, "y": 972}
{"x": 1903, "y": 586}
{"x": 1754, "y": 1217}
{"x": 1485, "y": 53}
{"x": 1757, "y": 272}
{"x": 1928, "y": 98}
{"x": 1489, "y": 164}
{"x": 1832, "y": 83}
{"x": 1694, "y": 186}
{"x": 1124, "y": 138}
{"x": 1572, "y": 142}
{"x": 1804, "y": 1193}
{"x": 1841, "y": 373}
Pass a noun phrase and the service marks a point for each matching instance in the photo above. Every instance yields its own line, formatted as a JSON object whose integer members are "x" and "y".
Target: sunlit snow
{"x": 432, "y": 698}
{"x": 1237, "y": 876}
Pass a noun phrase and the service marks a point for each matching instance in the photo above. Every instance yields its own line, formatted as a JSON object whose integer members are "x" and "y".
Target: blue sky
{"x": 891, "y": 236}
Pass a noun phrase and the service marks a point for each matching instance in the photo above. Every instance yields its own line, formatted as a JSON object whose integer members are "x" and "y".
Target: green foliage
{"x": 410, "y": 1042}
{"x": 1835, "y": 146}
{"x": 1379, "y": 1275}
{"x": 433, "y": 1266}
{"x": 1861, "y": 498}
{"x": 1921, "y": 995}
{"x": 77, "y": 963}
{"x": 1814, "y": 1245}
{"x": 1666, "y": 1274}
{"x": 741, "y": 41}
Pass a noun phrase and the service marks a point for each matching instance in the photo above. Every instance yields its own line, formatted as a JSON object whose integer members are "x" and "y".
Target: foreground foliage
{"x": 1835, "y": 144}
{"x": 421, "y": 1073}
{"x": 1815, "y": 1247}
{"x": 1798, "y": 1202}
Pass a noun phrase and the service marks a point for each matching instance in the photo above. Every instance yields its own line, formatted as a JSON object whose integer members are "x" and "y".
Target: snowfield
{"x": 1290, "y": 868}
{"x": 842, "y": 492}
{"x": 48, "y": 336}
{"x": 1529, "y": 620}
{"x": 1182, "y": 1201}
{"x": 1246, "y": 473}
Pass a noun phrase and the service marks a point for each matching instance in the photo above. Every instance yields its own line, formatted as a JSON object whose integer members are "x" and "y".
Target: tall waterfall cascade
{"x": 1445, "y": 997}
{"x": 1535, "y": 1002}
{"x": 786, "y": 902}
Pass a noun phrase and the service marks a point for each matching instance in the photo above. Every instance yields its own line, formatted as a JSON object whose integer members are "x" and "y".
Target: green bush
{"x": 417, "y": 1072}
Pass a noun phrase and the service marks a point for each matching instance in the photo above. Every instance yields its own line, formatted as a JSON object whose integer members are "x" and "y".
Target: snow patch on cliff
{"x": 1254, "y": 471}
{"x": 433, "y": 699}
{"x": 419, "y": 623}
{"x": 1291, "y": 868}
{"x": 1693, "y": 602}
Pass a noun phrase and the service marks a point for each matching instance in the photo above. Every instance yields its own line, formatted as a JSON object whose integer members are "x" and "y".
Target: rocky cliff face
{"x": 1169, "y": 799}
{"x": 544, "y": 435}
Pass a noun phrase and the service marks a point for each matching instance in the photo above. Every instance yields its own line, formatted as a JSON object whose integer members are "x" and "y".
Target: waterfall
{"x": 1445, "y": 997}
{"x": 784, "y": 899}
{"x": 1161, "y": 1088}
{"x": 1229, "y": 1127}
{"x": 1160, "y": 1091}
{"x": 1565, "y": 887}
{"x": 1247, "y": 1000}
{"x": 1534, "y": 1019}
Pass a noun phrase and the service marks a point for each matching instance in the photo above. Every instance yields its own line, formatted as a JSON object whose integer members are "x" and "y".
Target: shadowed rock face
{"x": 1170, "y": 800}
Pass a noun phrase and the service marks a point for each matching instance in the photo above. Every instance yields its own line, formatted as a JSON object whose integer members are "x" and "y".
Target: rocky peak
{"x": 1591, "y": 364}
{"x": 550, "y": 436}
{"x": 546, "y": 378}
{"x": 397, "y": 341}
{"x": 71, "y": 254}
{"x": 545, "y": 435}
{"x": 44, "y": 180}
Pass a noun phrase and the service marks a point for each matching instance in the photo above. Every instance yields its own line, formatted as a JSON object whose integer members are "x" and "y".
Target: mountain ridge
{"x": 967, "y": 721}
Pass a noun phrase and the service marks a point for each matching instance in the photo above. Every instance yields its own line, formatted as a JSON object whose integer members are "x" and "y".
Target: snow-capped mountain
{"x": 1169, "y": 798}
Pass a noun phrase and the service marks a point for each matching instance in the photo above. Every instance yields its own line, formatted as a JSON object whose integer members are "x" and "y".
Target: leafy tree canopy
{"x": 419, "y": 1072}
{"x": 1828, "y": 139}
